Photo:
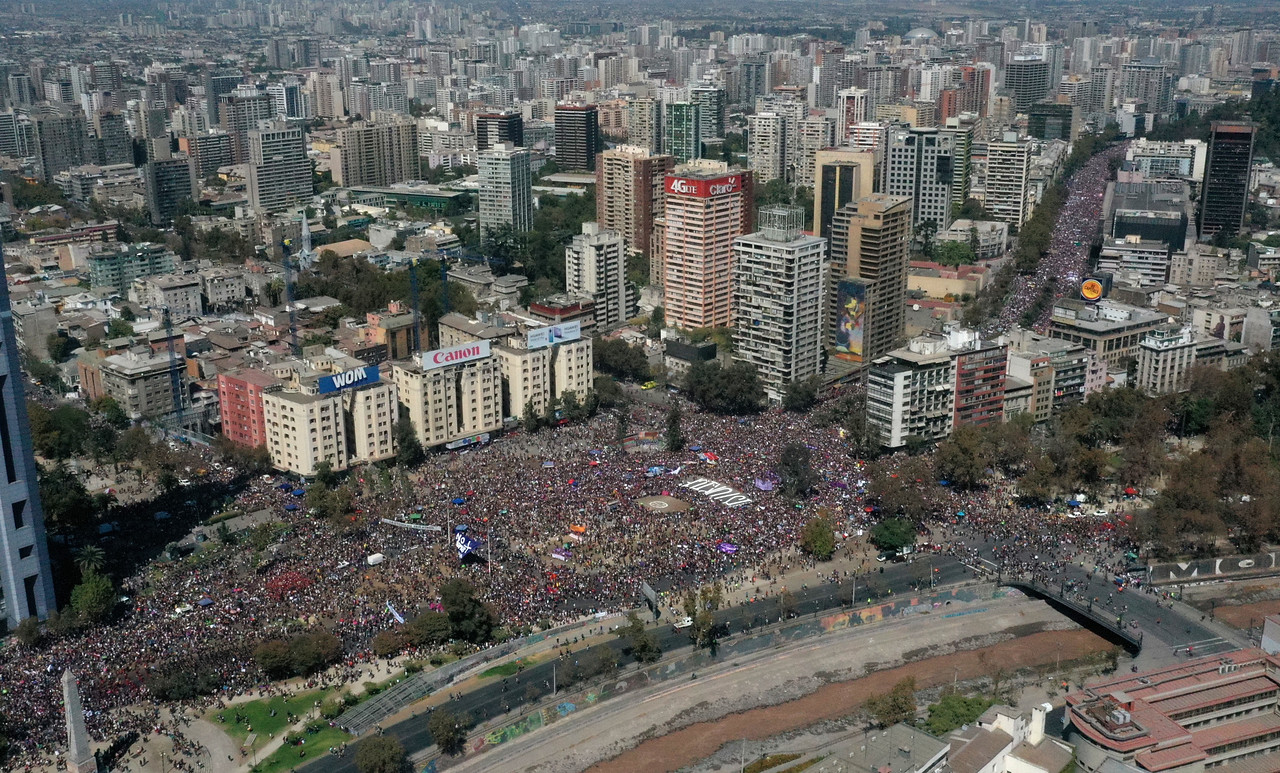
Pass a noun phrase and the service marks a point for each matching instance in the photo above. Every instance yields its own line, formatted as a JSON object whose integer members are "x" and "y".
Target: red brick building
{"x": 240, "y": 401}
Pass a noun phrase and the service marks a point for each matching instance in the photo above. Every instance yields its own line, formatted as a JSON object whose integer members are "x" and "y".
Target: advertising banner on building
{"x": 356, "y": 377}
{"x": 851, "y": 317}
{"x": 554, "y": 334}
{"x": 476, "y": 350}
{"x": 703, "y": 189}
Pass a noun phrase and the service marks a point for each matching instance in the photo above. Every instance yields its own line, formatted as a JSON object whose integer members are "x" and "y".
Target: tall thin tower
{"x": 27, "y": 579}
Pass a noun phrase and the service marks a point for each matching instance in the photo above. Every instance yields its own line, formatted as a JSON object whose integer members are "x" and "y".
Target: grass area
{"x": 286, "y": 757}
{"x": 508, "y": 669}
{"x": 803, "y": 765}
{"x": 257, "y": 714}
{"x": 771, "y": 761}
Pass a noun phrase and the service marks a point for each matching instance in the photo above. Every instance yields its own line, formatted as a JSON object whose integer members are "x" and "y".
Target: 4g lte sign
{"x": 718, "y": 186}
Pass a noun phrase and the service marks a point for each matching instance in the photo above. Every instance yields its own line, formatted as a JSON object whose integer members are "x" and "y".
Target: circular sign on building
{"x": 1091, "y": 290}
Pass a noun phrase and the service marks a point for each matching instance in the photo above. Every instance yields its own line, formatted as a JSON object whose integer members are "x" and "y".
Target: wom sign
{"x": 1209, "y": 568}
{"x": 717, "y": 491}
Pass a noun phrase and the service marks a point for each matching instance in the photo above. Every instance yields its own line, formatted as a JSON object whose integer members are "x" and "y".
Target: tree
{"x": 954, "y": 710}
{"x": 818, "y": 539}
{"x": 926, "y": 231}
{"x": 61, "y": 346}
{"x": 118, "y": 328}
{"x": 28, "y": 633}
{"x": 273, "y": 657}
{"x": 675, "y": 438}
{"x": 409, "y": 453}
{"x": 448, "y": 730}
{"x": 964, "y": 457}
{"x": 430, "y": 629}
{"x": 469, "y": 618}
{"x": 312, "y": 652}
{"x": 67, "y": 505}
{"x": 801, "y": 395}
{"x": 60, "y": 433}
{"x": 795, "y": 467}
{"x": 109, "y": 409}
{"x": 621, "y": 360}
{"x": 893, "y": 533}
{"x": 657, "y": 321}
{"x": 381, "y": 754}
{"x": 730, "y": 390}
{"x": 639, "y": 643}
{"x": 93, "y": 599}
{"x": 608, "y": 393}
{"x": 897, "y": 705}
{"x": 950, "y": 253}
{"x": 89, "y": 559}
{"x": 386, "y": 643}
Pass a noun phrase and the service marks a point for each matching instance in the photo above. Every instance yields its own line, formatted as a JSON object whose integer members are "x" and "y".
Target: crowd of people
{"x": 1067, "y": 260}
{"x": 559, "y": 532}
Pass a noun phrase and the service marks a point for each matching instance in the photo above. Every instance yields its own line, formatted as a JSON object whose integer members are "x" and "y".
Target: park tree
{"x": 409, "y": 453}
{"x": 68, "y": 507}
{"x": 272, "y": 656}
{"x": 430, "y": 629}
{"x": 675, "y": 438}
{"x": 818, "y": 539}
{"x": 795, "y": 467}
{"x": 313, "y": 652}
{"x": 801, "y": 395}
{"x": 448, "y": 730}
{"x": 381, "y": 754}
{"x": 965, "y": 457}
{"x": 731, "y": 390}
{"x": 469, "y": 619}
{"x": 93, "y": 599}
{"x": 954, "y": 710}
{"x": 638, "y": 642}
{"x": 893, "y": 534}
{"x": 897, "y": 705}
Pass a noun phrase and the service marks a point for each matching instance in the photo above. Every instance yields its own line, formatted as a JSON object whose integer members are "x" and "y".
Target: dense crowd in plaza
{"x": 518, "y": 497}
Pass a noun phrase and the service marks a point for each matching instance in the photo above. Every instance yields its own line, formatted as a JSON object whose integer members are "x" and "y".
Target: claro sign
{"x": 718, "y": 186}
{"x": 454, "y": 355}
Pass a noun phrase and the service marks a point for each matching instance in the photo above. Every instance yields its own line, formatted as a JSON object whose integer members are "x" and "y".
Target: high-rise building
{"x": 211, "y": 151}
{"x": 577, "y": 137}
{"x": 377, "y": 154}
{"x": 241, "y": 112}
{"x": 25, "y": 573}
{"x": 279, "y": 170}
{"x": 779, "y": 277}
{"x": 962, "y": 129}
{"x": 1027, "y": 79}
{"x": 712, "y": 107}
{"x": 240, "y": 405}
{"x": 851, "y": 110}
{"x": 870, "y": 241}
{"x": 171, "y": 180}
{"x": 1225, "y": 193}
{"x": 451, "y": 393}
{"x": 841, "y": 176}
{"x": 290, "y": 98}
{"x": 644, "y": 124}
{"x": 1008, "y": 178}
{"x": 1054, "y": 121}
{"x": 595, "y": 264}
{"x": 812, "y": 135}
{"x": 629, "y": 194}
{"x": 767, "y": 146}
{"x": 493, "y": 128}
{"x": 506, "y": 189}
{"x": 1150, "y": 81}
{"x": 682, "y": 131}
{"x": 921, "y": 164}
{"x": 112, "y": 144}
{"x": 708, "y": 206}
{"x": 62, "y": 141}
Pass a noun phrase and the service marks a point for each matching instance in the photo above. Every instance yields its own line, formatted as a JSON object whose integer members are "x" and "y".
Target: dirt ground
{"x": 1243, "y": 615}
{"x": 691, "y": 744}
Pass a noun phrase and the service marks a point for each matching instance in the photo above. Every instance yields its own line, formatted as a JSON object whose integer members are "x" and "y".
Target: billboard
{"x": 476, "y": 350}
{"x": 554, "y": 334}
{"x": 851, "y": 318}
{"x": 356, "y": 377}
{"x": 703, "y": 188}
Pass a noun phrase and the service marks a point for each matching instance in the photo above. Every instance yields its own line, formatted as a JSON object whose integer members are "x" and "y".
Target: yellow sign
{"x": 1091, "y": 290}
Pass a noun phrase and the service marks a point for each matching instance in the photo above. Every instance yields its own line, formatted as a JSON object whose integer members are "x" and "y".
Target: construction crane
{"x": 413, "y": 299}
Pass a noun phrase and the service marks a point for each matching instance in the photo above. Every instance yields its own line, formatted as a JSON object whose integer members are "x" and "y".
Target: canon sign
{"x": 719, "y": 186}
{"x": 455, "y": 355}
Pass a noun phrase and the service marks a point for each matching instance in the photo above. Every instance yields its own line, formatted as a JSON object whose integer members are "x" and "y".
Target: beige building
{"x": 223, "y": 286}
{"x": 451, "y": 393}
{"x": 377, "y": 154}
{"x": 1109, "y": 329}
{"x": 372, "y": 412}
{"x": 869, "y": 242}
{"x": 304, "y": 430}
{"x": 1165, "y": 357}
{"x": 179, "y": 293}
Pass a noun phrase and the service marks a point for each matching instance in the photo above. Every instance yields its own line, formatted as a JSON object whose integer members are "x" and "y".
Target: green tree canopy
{"x": 893, "y": 534}
{"x": 818, "y": 539}
{"x": 381, "y": 754}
